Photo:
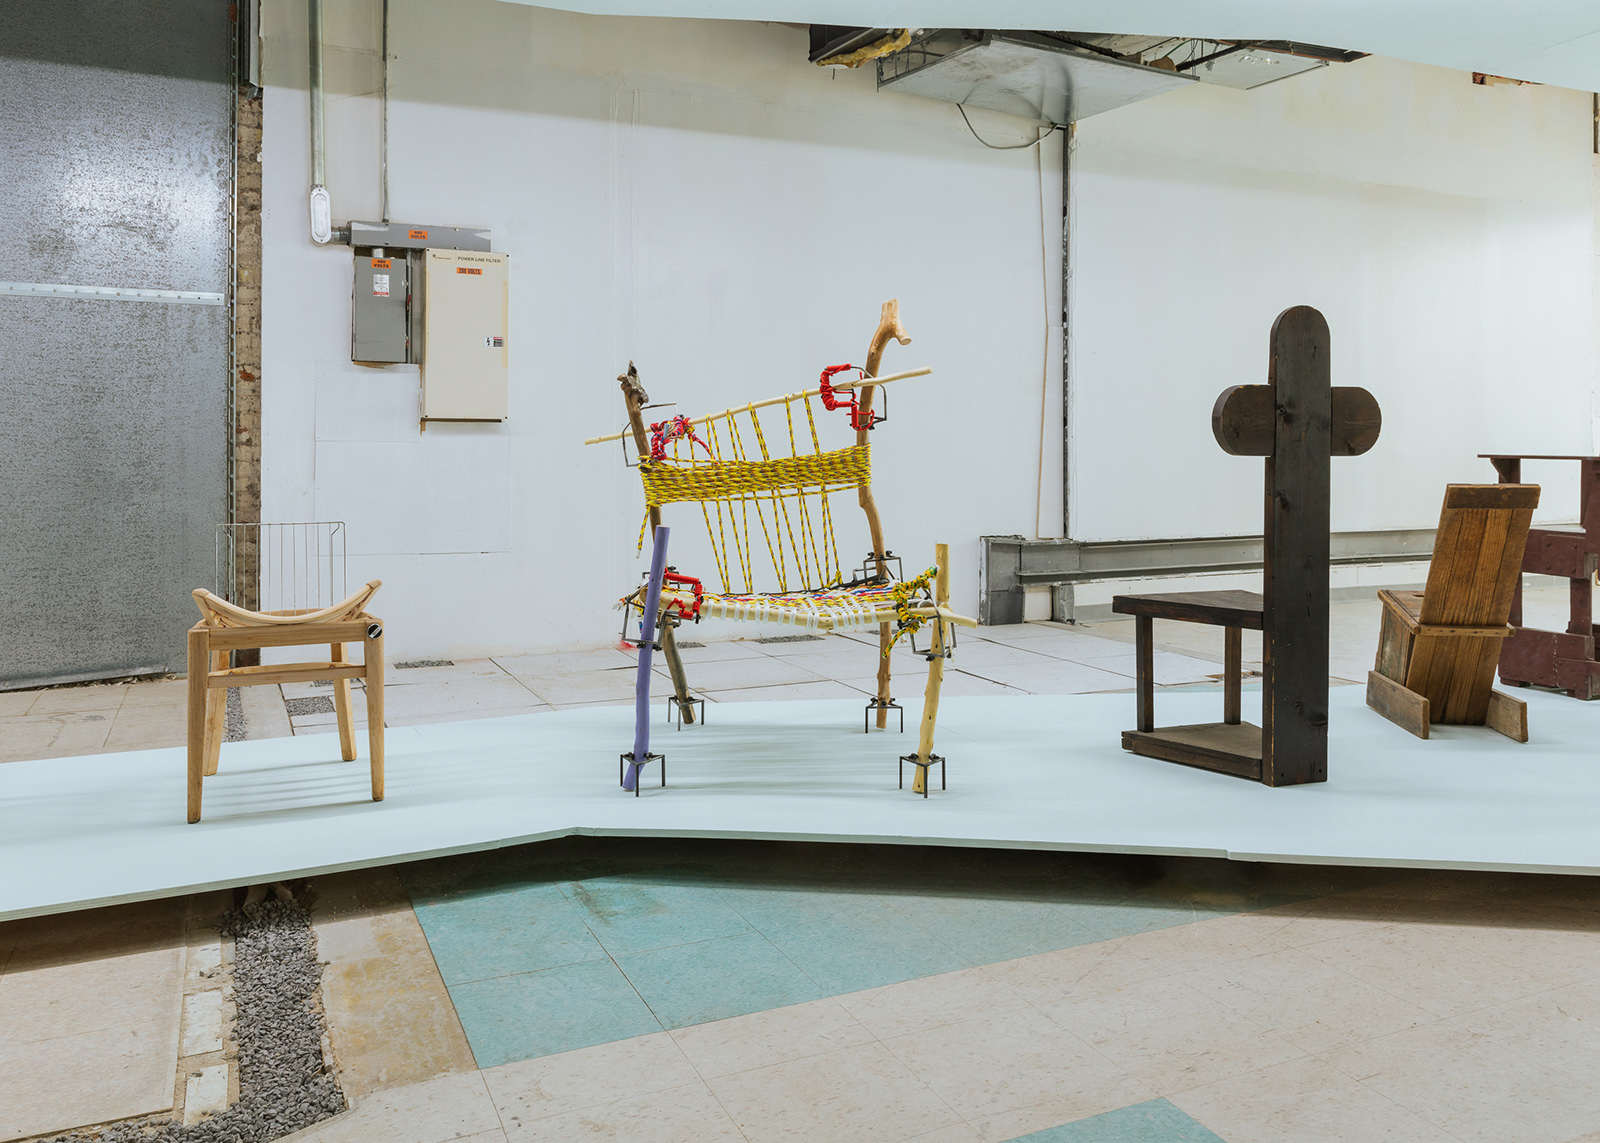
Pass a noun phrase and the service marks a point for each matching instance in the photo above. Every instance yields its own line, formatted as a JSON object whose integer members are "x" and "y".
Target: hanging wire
{"x": 1043, "y": 135}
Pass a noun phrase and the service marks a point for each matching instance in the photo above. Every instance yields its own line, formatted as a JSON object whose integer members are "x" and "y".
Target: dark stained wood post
{"x": 1145, "y": 672}
{"x": 1232, "y": 675}
{"x": 1298, "y": 422}
{"x": 1296, "y": 554}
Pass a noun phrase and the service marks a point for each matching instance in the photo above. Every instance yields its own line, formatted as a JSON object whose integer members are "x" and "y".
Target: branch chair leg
{"x": 883, "y": 676}
{"x": 930, "y": 701}
{"x": 680, "y": 679}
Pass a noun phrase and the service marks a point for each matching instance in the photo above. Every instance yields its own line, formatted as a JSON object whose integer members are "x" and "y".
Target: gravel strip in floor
{"x": 233, "y": 718}
{"x": 284, "y": 1084}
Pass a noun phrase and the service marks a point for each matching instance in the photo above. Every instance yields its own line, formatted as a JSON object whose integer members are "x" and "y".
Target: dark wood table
{"x": 1561, "y": 659}
{"x": 1230, "y": 746}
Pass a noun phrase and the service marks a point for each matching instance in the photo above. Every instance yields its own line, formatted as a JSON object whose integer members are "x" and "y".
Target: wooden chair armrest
{"x": 1466, "y": 632}
{"x": 1399, "y": 610}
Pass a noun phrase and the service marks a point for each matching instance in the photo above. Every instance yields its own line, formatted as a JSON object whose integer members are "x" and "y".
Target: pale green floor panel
{"x": 1154, "y": 1122}
{"x": 583, "y": 941}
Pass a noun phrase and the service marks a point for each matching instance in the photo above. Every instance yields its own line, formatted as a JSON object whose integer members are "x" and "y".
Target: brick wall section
{"x": 247, "y": 343}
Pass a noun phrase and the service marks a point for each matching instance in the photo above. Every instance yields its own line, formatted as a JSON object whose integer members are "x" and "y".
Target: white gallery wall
{"x": 695, "y": 197}
{"x": 1446, "y": 231}
{"x": 691, "y": 196}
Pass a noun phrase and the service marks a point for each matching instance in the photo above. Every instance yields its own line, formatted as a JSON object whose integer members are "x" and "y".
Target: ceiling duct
{"x": 1030, "y": 74}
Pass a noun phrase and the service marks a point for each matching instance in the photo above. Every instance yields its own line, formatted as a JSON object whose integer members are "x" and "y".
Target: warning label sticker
{"x": 423, "y": 234}
{"x": 468, "y": 270}
{"x": 380, "y": 263}
{"x": 494, "y": 343}
{"x": 380, "y": 285}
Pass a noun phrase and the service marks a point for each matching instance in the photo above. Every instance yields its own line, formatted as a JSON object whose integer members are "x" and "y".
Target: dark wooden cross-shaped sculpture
{"x": 1298, "y": 422}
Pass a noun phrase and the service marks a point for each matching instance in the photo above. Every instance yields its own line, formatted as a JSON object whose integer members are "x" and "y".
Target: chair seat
{"x": 1218, "y": 608}
{"x": 836, "y": 609}
{"x": 217, "y": 612}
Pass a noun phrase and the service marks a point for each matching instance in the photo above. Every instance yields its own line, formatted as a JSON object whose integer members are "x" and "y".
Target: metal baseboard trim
{"x": 1009, "y": 565}
{"x": 43, "y": 681}
{"x": 1101, "y": 612}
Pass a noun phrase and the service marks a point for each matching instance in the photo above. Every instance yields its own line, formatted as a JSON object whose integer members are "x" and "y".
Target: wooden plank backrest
{"x": 1477, "y": 554}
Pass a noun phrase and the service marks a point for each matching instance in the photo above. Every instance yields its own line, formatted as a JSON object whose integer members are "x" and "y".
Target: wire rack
{"x": 282, "y": 567}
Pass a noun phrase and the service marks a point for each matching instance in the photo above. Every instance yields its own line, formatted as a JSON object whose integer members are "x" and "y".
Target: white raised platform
{"x": 1041, "y": 772}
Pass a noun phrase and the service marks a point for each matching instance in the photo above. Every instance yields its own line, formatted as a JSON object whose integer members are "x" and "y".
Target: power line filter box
{"x": 463, "y": 322}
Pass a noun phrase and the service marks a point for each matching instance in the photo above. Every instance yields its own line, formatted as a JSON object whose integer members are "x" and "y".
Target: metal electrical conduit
{"x": 320, "y": 202}
{"x": 321, "y": 205}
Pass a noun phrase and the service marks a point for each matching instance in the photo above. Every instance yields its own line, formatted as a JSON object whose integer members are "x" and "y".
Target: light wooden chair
{"x": 1438, "y": 648}
{"x": 224, "y": 628}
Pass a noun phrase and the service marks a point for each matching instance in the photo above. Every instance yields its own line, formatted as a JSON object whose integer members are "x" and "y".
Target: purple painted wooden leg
{"x": 647, "y": 637}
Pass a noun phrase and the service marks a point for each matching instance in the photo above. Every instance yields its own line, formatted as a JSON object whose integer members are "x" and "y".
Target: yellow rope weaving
{"x": 738, "y": 479}
{"x": 910, "y": 622}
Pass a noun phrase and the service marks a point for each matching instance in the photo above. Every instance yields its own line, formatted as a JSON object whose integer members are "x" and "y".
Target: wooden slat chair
{"x": 1438, "y": 648}
{"x": 224, "y": 628}
{"x": 749, "y": 492}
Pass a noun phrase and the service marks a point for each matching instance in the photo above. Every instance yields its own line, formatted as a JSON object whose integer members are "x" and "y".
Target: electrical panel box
{"x": 380, "y": 314}
{"x": 460, "y": 312}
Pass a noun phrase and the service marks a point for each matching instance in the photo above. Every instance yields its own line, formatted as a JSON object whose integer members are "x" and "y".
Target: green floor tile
{"x": 554, "y": 1010}
{"x": 530, "y": 939}
{"x": 636, "y": 913}
{"x": 477, "y": 936}
{"x": 1154, "y": 1122}
{"x": 712, "y": 980}
{"x": 772, "y": 909}
{"x": 847, "y": 955}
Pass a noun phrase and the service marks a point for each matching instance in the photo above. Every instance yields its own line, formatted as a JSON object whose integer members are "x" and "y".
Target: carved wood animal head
{"x": 631, "y": 389}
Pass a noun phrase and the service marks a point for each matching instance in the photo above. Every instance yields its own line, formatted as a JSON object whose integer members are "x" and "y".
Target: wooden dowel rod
{"x": 863, "y": 383}
{"x": 868, "y": 382}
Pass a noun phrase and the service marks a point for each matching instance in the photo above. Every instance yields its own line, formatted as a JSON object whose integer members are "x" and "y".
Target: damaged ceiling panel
{"x": 1061, "y": 77}
{"x": 1021, "y": 73}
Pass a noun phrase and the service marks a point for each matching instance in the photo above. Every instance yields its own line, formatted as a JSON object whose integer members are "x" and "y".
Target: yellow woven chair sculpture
{"x": 734, "y": 466}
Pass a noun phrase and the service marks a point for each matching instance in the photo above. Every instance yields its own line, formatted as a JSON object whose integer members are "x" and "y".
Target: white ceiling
{"x": 1548, "y": 41}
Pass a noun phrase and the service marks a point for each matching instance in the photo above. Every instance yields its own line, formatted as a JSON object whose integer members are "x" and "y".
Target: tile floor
{"x": 579, "y": 943}
{"x": 105, "y": 1013}
{"x": 742, "y": 991}
{"x": 649, "y": 990}
{"x": 1187, "y": 1000}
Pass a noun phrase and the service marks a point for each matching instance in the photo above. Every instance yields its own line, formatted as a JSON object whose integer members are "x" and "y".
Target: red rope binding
{"x": 831, "y": 399}
{"x": 663, "y": 433}
{"x": 685, "y": 611}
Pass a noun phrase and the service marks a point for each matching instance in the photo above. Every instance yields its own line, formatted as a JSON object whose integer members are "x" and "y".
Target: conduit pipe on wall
{"x": 321, "y": 205}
